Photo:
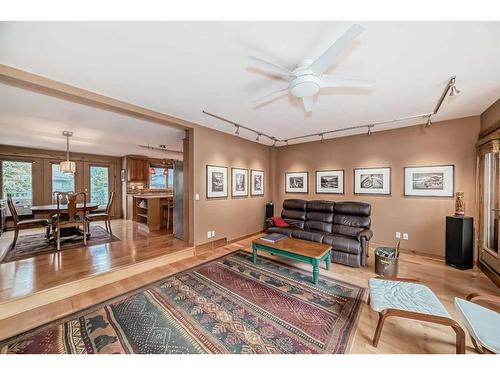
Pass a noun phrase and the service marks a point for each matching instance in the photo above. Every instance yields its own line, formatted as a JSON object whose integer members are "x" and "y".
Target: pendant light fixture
{"x": 67, "y": 167}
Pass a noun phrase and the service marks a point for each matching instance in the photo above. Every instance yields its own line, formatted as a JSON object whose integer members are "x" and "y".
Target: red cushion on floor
{"x": 279, "y": 222}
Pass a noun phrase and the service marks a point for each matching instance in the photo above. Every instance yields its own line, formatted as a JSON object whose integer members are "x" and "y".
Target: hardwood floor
{"x": 399, "y": 335}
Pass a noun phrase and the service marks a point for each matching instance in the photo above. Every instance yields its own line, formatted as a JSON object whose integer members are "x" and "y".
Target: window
{"x": 62, "y": 182}
{"x": 99, "y": 185}
{"x": 162, "y": 178}
{"x": 17, "y": 180}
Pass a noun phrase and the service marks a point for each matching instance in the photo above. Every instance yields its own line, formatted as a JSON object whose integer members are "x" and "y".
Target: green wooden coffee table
{"x": 305, "y": 251}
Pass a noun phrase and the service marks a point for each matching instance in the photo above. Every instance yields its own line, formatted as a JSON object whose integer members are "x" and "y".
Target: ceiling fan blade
{"x": 330, "y": 81}
{"x": 270, "y": 66}
{"x": 308, "y": 103}
{"x": 270, "y": 94}
{"x": 330, "y": 55}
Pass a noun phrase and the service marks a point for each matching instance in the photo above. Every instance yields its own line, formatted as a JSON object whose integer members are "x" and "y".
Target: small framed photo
{"x": 330, "y": 182}
{"x": 432, "y": 181}
{"x": 372, "y": 181}
{"x": 256, "y": 182}
{"x": 122, "y": 175}
{"x": 239, "y": 180}
{"x": 296, "y": 182}
{"x": 216, "y": 181}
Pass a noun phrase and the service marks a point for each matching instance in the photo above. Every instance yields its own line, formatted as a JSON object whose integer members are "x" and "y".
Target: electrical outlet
{"x": 209, "y": 234}
{"x": 405, "y": 236}
{"x": 398, "y": 234}
{"x": 213, "y": 233}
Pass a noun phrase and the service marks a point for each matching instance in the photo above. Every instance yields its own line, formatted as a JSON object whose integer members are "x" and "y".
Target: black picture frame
{"x": 206, "y": 182}
{"x": 297, "y": 192}
{"x": 247, "y": 182}
{"x": 329, "y": 170}
{"x": 389, "y": 193}
{"x": 251, "y": 183}
{"x": 452, "y": 195}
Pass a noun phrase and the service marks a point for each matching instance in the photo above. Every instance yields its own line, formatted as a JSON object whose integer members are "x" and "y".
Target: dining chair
{"x": 24, "y": 224}
{"x": 73, "y": 219}
{"x": 102, "y": 216}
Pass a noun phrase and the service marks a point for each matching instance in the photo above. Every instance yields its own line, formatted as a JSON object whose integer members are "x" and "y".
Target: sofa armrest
{"x": 269, "y": 223}
{"x": 366, "y": 233}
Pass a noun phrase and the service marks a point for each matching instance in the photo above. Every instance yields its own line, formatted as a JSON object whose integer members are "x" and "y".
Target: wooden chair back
{"x": 71, "y": 198}
{"x": 110, "y": 203}
{"x": 64, "y": 200}
{"x": 12, "y": 209}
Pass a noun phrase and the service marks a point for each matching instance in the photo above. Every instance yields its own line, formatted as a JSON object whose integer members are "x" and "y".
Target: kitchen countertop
{"x": 152, "y": 196}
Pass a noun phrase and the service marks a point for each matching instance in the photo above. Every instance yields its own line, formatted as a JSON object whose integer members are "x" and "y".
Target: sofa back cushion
{"x": 351, "y": 218}
{"x": 294, "y": 212}
{"x": 320, "y": 215}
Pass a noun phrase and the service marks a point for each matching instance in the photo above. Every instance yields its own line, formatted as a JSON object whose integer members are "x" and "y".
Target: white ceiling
{"x": 182, "y": 68}
{"x": 36, "y": 120}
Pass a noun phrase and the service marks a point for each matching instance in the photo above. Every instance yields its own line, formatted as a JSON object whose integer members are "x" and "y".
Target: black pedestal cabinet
{"x": 459, "y": 241}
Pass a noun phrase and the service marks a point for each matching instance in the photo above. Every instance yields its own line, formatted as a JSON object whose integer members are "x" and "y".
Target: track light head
{"x": 322, "y": 137}
{"x": 286, "y": 141}
{"x": 453, "y": 88}
{"x": 237, "y": 131}
{"x": 274, "y": 142}
{"x": 429, "y": 122}
{"x": 258, "y": 137}
{"x": 369, "y": 132}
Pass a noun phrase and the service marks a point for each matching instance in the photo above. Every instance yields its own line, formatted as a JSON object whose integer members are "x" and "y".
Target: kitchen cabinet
{"x": 137, "y": 169}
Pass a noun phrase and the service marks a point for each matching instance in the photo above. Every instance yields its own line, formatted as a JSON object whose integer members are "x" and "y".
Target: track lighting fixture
{"x": 369, "y": 132}
{"x": 258, "y": 137}
{"x": 429, "y": 122}
{"x": 322, "y": 137}
{"x": 286, "y": 142}
{"x": 274, "y": 142}
{"x": 453, "y": 88}
{"x": 237, "y": 131}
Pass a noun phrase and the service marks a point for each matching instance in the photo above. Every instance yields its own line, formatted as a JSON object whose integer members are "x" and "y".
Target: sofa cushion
{"x": 320, "y": 206}
{"x": 294, "y": 204}
{"x": 353, "y": 208}
{"x": 293, "y": 214}
{"x": 318, "y": 225}
{"x": 285, "y": 231}
{"x": 307, "y": 235}
{"x": 296, "y": 223}
{"x": 345, "y": 244}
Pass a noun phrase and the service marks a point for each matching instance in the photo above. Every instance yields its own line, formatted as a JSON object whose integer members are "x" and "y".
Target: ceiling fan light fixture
{"x": 67, "y": 167}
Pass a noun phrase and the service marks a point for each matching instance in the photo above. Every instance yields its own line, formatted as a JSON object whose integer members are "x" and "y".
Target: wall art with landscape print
{"x": 296, "y": 182}
{"x": 431, "y": 181}
{"x": 239, "y": 180}
{"x": 330, "y": 182}
{"x": 372, "y": 181}
{"x": 216, "y": 181}
{"x": 257, "y": 182}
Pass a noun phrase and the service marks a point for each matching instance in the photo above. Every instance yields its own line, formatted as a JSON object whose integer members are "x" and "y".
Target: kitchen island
{"x": 152, "y": 211}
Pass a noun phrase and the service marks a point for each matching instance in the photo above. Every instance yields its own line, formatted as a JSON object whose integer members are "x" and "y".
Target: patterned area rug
{"x": 35, "y": 244}
{"x": 228, "y": 305}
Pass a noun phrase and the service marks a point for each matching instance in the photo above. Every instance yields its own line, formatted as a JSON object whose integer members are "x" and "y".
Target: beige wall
{"x": 229, "y": 217}
{"x": 491, "y": 117}
{"x": 448, "y": 142}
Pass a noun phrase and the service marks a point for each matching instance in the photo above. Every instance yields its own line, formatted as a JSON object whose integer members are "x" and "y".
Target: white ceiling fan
{"x": 307, "y": 79}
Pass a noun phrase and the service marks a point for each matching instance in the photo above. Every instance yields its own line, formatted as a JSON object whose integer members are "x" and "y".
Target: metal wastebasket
{"x": 387, "y": 261}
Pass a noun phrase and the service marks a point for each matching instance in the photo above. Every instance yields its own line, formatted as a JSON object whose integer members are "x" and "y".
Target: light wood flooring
{"x": 399, "y": 335}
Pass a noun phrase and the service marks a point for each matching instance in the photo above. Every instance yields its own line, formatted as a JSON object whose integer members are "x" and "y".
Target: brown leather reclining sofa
{"x": 343, "y": 225}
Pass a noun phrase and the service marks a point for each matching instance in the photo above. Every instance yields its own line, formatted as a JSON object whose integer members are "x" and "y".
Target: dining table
{"x": 51, "y": 209}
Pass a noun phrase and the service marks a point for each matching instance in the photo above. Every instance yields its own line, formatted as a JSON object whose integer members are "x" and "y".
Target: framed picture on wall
{"x": 256, "y": 182}
{"x": 216, "y": 181}
{"x": 432, "y": 181}
{"x": 372, "y": 181}
{"x": 296, "y": 182}
{"x": 330, "y": 182}
{"x": 239, "y": 180}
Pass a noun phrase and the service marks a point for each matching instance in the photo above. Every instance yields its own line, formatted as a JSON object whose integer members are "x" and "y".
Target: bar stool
{"x": 166, "y": 207}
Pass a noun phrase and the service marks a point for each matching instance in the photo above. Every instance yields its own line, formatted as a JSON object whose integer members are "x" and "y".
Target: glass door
{"x": 490, "y": 209}
{"x": 17, "y": 180}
